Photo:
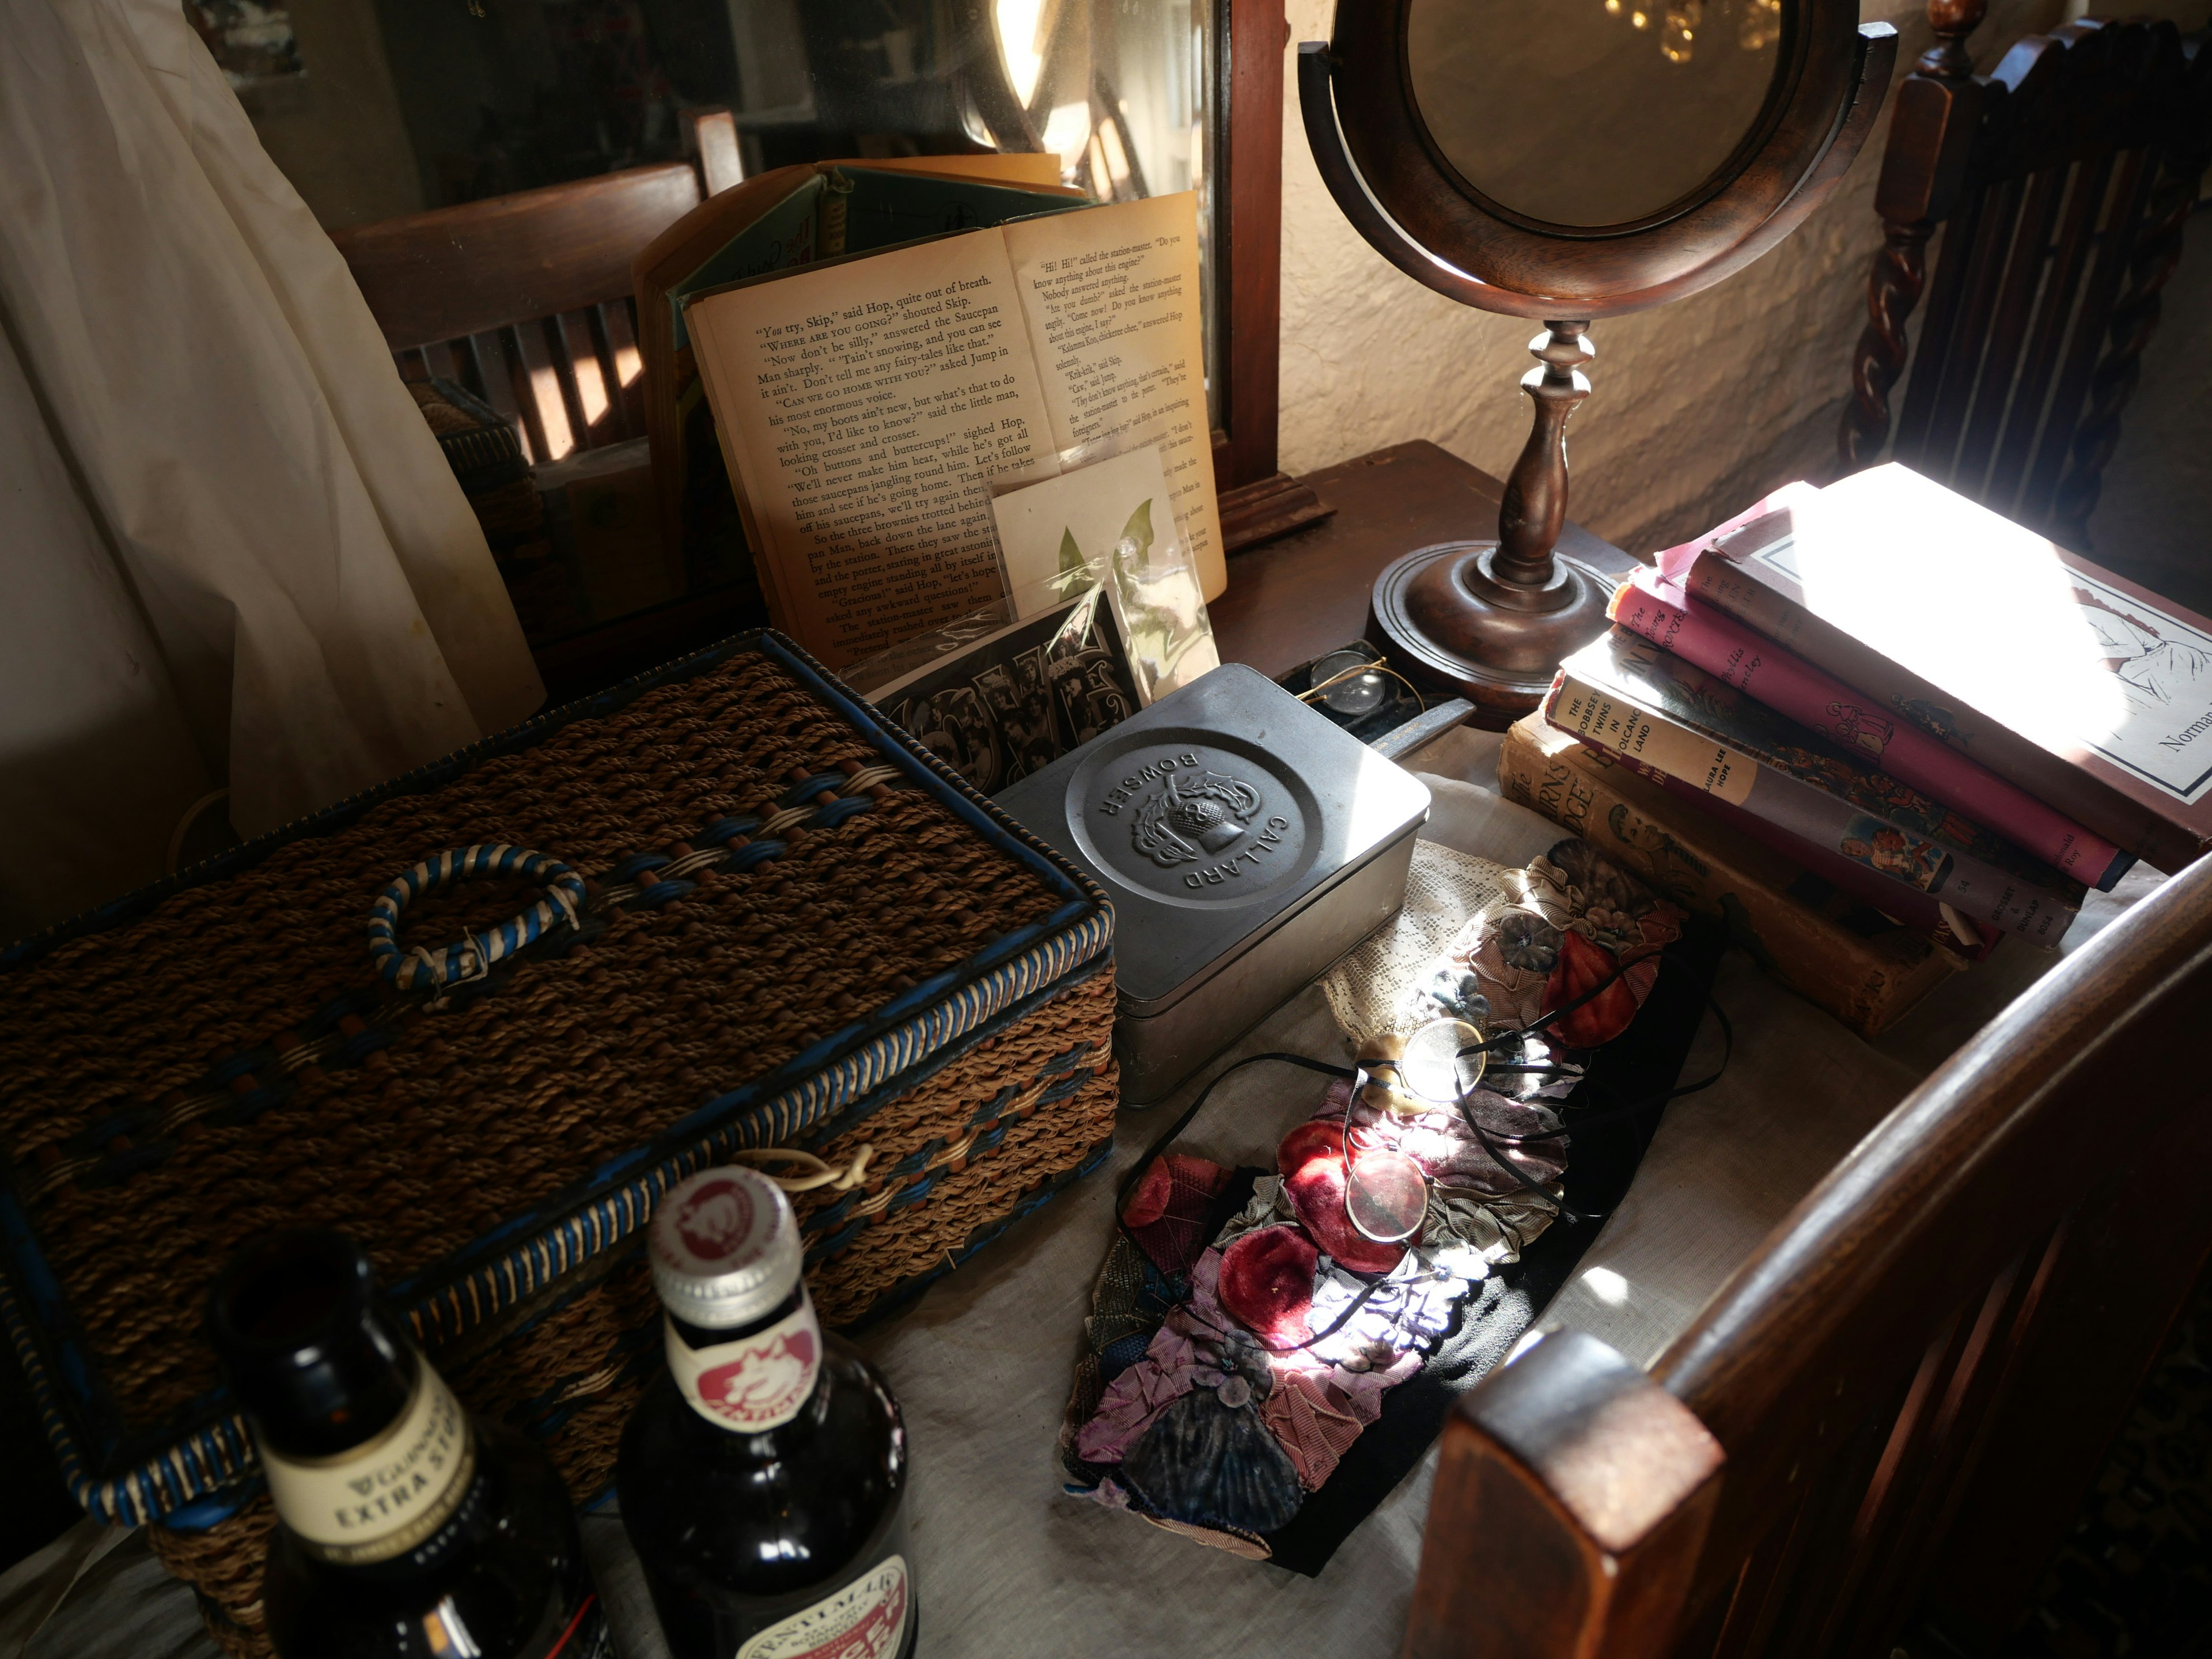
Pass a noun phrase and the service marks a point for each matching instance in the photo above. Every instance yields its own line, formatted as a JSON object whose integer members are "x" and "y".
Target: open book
{"x": 781, "y": 220}
{"x": 869, "y": 407}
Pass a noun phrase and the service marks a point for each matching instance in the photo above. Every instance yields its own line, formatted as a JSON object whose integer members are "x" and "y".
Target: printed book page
{"x": 1112, "y": 299}
{"x": 865, "y": 409}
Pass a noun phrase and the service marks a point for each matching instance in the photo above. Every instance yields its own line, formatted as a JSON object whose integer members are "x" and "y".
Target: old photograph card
{"x": 1116, "y": 513}
{"x": 996, "y": 703}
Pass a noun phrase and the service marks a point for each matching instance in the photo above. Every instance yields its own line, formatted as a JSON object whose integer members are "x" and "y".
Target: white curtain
{"x": 233, "y": 551}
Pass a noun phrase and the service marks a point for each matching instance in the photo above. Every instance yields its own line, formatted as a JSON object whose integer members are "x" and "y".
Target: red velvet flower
{"x": 1266, "y": 1283}
{"x": 1582, "y": 967}
{"x": 1317, "y": 1194}
{"x": 1317, "y": 1137}
{"x": 1156, "y": 1193}
{"x": 1150, "y": 1202}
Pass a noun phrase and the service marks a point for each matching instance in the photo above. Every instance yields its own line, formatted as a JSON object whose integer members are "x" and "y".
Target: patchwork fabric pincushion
{"x": 1249, "y": 1325}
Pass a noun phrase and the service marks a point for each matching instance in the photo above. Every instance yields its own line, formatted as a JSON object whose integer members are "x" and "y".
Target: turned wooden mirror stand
{"x": 1566, "y": 166}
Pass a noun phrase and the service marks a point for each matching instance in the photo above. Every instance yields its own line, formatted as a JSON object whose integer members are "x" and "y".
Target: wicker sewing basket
{"x": 782, "y": 923}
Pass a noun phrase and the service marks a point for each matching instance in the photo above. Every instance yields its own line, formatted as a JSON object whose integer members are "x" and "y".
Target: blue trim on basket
{"x": 473, "y": 954}
{"x": 915, "y": 1034}
{"x": 614, "y": 1220}
{"x": 926, "y": 767}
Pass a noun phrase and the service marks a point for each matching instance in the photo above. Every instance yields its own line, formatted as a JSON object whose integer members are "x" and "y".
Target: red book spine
{"x": 1659, "y": 610}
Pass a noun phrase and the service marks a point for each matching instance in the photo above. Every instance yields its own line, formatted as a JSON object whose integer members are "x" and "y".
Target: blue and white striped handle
{"x": 471, "y": 956}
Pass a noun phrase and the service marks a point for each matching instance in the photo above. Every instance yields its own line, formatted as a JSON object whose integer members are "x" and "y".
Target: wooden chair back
{"x": 1887, "y": 1418}
{"x": 2059, "y": 185}
{"x": 520, "y": 297}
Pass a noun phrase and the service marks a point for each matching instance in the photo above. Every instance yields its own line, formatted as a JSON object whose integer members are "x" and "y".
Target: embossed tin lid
{"x": 1212, "y": 818}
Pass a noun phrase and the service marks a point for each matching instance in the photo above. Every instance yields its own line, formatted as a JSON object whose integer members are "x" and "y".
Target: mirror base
{"x": 1434, "y": 617}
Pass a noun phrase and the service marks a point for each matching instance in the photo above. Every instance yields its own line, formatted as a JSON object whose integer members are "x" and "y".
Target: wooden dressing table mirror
{"x": 1565, "y": 163}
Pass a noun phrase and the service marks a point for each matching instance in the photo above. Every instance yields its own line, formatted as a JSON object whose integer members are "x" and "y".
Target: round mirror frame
{"x": 1388, "y": 175}
{"x": 1490, "y": 620}
{"x": 1777, "y": 81}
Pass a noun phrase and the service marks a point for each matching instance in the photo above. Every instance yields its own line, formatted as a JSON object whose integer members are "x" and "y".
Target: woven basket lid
{"x": 789, "y": 911}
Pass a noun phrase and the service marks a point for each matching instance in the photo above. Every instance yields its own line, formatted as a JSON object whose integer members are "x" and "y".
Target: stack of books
{"x": 1899, "y": 725}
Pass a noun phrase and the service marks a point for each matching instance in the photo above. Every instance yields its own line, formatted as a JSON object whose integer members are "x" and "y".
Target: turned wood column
{"x": 1536, "y": 494}
{"x": 1937, "y": 110}
{"x": 1489, "y": 621}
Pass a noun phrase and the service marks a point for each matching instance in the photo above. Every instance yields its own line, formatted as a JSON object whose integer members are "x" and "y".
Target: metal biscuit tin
{"x": 1246, "y": 843}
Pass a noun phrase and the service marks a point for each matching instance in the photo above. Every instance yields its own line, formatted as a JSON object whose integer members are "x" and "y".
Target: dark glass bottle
{"x": 762, "y": 1478}
{"x": 404, "y": 1527}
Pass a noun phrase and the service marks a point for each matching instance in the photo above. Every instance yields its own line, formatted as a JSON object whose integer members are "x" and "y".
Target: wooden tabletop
{"x": 1290, "y": 600}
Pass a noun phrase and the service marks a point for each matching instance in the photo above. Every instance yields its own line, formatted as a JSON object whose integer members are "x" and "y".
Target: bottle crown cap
{"x": 725, "y": 1248}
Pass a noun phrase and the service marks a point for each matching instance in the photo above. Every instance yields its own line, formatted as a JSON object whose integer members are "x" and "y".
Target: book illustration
{"x": 1091, "y": 688}
{"x": 955, "y": 724}
{"x": 2160, "y": 674}
{"x": 1933, "y": 719}
{"x": 1668, "y": 864}
{"x": 2163, "y": 672}
{"x": 1014, "y": 691}
{"x": 1885, "y": 847}
{"x": 1858, "y": 728}
{"x": 1042, "y": 743}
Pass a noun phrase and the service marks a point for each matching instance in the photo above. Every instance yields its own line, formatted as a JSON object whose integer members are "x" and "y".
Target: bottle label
{"x": 383, "y": 1497}
{"x": 755, "y": 1383}
{"x": 866, "y": 1620}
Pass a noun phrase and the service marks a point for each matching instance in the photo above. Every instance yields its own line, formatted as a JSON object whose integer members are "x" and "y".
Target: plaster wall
{"x": 1696, "y": 408}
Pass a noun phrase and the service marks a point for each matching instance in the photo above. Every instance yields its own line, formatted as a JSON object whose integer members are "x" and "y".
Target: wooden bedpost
{"x": 1572, "y": 1499}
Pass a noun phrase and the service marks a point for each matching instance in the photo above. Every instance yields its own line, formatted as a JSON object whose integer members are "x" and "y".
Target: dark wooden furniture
{"x": 710, "y": 138}
{"x": 1296, "y": 598}
{"x": 496, "y": 293}
{"x": 1490, "y": 620}
{"x": 1883, "y": 1424}
{"x": 1257, "y": 499}
{"x": 2060, "y": 184}
{"x": 526, "y": 300}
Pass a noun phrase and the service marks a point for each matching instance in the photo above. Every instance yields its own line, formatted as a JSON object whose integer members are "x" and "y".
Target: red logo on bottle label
{"x": 761, "y": 1385}
{"x": 756, "y": 1382}
{"x": 715, "y": 1221}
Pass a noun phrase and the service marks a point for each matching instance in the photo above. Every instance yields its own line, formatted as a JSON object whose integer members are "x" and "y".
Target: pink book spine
{"x": 1674, "y": 561}
{"x": 1651, "y": 605}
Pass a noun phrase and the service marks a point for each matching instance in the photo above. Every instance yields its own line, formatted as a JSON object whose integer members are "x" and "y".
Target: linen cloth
{"x": 1008, "y": 1566}
{"x": 236, "y": 551}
